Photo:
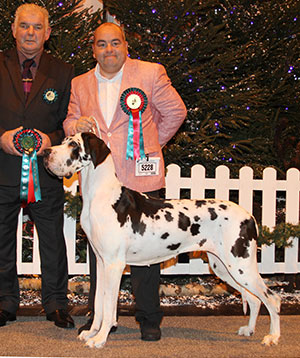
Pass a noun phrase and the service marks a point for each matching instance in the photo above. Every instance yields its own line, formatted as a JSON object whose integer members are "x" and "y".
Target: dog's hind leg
{"x": 257, "y": 287}
{"x": 254, "y": 303}
{"x": 248, "y": 281}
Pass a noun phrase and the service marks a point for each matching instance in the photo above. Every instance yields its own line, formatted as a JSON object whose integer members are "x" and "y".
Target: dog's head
{"x": 74, "y": 153}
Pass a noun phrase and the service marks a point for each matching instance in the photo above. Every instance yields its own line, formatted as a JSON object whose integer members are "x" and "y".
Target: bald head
{"x": 110, "y": 49}
{"x": 110, "y": 26}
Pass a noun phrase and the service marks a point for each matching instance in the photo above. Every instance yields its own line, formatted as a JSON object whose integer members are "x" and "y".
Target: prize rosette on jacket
{"x": 28, "y": 142}
{"x": 134, "y": 102}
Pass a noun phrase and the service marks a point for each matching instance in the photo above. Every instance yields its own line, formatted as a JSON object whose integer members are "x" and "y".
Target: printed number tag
{"x": 148, "y": 166}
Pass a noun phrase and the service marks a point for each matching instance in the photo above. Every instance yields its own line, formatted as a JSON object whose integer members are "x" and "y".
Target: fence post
{"x": 268, "y": 217}
{"x": 246, "y": 189}
{"x": 292, "y": 216}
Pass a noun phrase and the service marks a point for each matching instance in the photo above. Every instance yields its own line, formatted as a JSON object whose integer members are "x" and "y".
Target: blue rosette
{"x": 28, "y": 142}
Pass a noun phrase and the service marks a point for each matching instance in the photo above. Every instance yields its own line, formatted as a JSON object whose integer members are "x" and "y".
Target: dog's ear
{"x": 95, "y": 147}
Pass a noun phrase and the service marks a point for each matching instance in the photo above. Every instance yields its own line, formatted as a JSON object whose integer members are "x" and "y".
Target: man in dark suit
{"x": 41, "y": 106}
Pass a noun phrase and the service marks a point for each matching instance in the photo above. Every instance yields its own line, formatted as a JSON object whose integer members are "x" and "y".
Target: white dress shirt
{"x": 108, "y": 92}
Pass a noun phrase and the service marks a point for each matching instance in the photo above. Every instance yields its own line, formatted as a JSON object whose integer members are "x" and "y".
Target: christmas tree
{"x": 236, "y": 66}
{"x": 72, "y": 29}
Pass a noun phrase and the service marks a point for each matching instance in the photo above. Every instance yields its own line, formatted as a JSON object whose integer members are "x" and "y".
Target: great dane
{"x": 127, "y": 227}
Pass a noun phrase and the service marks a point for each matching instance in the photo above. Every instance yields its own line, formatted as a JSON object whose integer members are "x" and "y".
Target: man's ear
{"x": 47, "y": 33}
{"x": 13, "y": 29}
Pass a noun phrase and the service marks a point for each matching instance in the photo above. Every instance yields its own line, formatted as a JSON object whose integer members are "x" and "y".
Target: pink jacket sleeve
{"x": 170, "y": 110}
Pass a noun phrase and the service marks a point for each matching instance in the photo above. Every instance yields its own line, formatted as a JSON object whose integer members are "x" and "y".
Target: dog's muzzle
{"x": 46, "y": 156}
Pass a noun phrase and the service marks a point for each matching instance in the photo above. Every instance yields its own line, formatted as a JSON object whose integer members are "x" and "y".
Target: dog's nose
{"x": 46, "y": 152}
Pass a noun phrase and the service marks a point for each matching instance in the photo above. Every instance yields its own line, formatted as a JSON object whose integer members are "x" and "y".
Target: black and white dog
{"x": 126, "y": 227}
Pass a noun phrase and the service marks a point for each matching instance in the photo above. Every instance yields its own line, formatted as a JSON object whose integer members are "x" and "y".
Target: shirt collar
{"x": 101, "y": 78}
{"x": 22, "y": 58}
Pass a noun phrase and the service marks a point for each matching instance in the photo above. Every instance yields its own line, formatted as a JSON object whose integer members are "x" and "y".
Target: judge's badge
{"x": 50, "y": 95}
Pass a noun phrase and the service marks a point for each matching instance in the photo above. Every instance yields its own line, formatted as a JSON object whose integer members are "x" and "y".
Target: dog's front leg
{"x": 98, "y": 302}
{"x": 111, "y": 281}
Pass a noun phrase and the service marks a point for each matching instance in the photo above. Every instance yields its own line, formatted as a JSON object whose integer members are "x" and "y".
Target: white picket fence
{"x": 198, "y": 183}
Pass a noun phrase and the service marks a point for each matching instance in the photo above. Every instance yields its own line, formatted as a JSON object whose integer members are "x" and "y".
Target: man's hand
{"x": 46, "y": 142}
{"x": 84, "y": 124}
{"x": 7, "y": 142}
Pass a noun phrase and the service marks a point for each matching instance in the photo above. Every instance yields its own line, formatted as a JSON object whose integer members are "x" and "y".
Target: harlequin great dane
{"x": 126, "y": 227}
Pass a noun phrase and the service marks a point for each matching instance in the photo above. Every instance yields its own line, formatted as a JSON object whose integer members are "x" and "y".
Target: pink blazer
{"x": 161, "y": 119}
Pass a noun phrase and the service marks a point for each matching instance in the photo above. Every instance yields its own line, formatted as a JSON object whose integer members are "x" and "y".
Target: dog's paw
{"x": 86, "y": 335}
{"x": 95, "y": 343}
{"x": 245, "y": 331}
{"x": 270, "y": 340}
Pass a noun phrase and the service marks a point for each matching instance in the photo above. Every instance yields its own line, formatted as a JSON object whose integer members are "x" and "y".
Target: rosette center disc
{"x": 134, "y": 101}
{"x": 28, "y": 143}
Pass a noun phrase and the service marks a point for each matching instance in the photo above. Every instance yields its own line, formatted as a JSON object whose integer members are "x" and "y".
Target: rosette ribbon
{"x": 28, "y": 142}
{"x": 134, "y": 102}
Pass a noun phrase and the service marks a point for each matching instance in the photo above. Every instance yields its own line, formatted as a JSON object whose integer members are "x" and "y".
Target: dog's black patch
{"x": 195, "y": 229}
{"x": 196, "y": 218}
{"x": 213, "y": 214}
{"x": 69, "y": 162}
{"x": 202, "y": 242}
{"x": 199, "y": 203}
{"x": 183, "y": 221}
{"x": 157, "y": 217}
{"x": 142, "y": 228}
{"x": 165, "y": 235}
{"x": 173, "y": 246}
{"x": 240, "y": 248}
{"x": 185, "y": 208}
{"x": 241, "y": 272}
{"x": 75, "y": 153}
{"x": 270, "y": 292}
{"x": 132, "y": 205}
{"x": 168, "y": 216}
{"x": 247, "y": 233}
{"x": 223, "y": 206}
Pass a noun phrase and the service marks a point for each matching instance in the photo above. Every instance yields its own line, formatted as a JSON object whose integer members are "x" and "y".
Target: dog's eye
{"x": 73, "y": 144}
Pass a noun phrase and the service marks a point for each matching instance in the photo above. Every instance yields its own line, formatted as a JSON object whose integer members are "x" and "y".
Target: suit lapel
{"x": 127, "y": 76}
{"x": 13, "y": 66}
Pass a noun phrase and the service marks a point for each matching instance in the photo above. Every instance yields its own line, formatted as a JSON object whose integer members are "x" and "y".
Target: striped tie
{"x": 27, "y": 76}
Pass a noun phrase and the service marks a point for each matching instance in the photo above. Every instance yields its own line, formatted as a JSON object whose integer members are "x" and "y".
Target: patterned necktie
{"x": 27, "y": 76}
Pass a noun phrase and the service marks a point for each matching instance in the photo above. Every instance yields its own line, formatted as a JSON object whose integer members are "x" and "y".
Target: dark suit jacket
{"x": 36, "y": 112}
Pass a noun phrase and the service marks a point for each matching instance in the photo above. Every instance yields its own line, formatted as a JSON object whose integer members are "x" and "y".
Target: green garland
{"x": 280, "y": 235}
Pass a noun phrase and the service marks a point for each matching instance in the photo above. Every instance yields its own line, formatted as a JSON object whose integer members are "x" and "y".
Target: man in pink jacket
{"x": 138, "y": 112}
